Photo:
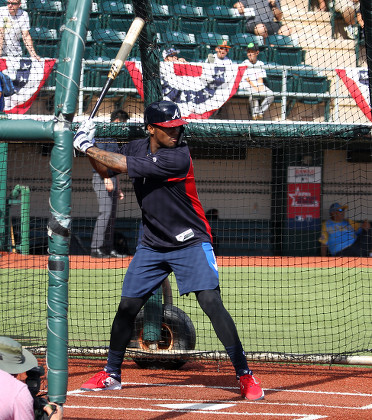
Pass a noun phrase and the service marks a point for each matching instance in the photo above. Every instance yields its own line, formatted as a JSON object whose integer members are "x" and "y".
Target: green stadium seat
{"x": 46, "y": 6}
{"x": 192, "y": 26}
{"x": 189, "y": 11}
{"x": 108, "y": 36}
{"x": 243, "y": 39}
{"x": 117, "y": 8}
{"x": 46, "y": 50}
{"x": 274, "y": 81}
{"x": 178, "y": 38}
{"x": 162, "y": 26}
{"x": 223, "y": 12}
{"x": 41, "y": 34}
{"x": 210, "y": 38}
{"x": 160, "y": 11}
{"x": 117, "y": 24}
{"x": 227, "y": 28}
{"x": 48, "y": 21}
{"x": 287, "y": 56}
{"x": 280, "y": 40}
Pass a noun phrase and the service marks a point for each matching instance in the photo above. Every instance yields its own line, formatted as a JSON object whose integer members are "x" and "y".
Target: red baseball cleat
{"x": 101, "y": 381}
{"x": 250, "y": 388}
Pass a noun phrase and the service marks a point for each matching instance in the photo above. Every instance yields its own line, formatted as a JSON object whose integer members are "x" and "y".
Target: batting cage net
{"x": 279, "y": 133}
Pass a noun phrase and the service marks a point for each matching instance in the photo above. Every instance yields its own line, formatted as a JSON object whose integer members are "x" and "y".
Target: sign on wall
{"x": 303, "y": 197}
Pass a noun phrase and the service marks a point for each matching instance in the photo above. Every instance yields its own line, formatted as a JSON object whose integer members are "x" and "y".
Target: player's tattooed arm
{"x": 102, "y": 160}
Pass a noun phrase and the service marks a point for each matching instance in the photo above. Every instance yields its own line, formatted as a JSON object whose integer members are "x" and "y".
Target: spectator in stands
{"x": 220, "y": 56}
{"x": 171, "y": 55}
{"x": 252, "y": 82}
{"x": 14, "y": 24}
{"x": 263, "y": 17}
{"x": 16, "y": 401}
{"x": 107, "y": 191}
{"x": 322, "y": 5}
{"x": 350, "y": 11}
{"x": 343, "y": 237}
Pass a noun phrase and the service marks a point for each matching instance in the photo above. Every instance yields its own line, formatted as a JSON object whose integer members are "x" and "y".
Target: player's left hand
{"x": 84, "y": 138}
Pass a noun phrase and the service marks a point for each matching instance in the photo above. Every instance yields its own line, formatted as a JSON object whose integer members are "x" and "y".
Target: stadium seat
{"x": 227, "y": 28}
{"x": 96, "y": 18}
{"x": 117, "y": 8}
{"x": 162, "y": 26}
{"x": 45, "y": 41}
{"x": 243, "y": 39}
{"x": 210, "y": 38}
{"x": 46, "y": 6}
{"x": 47, "y": 20}
{"x": 308, "y": 81}
{"x": 117, "y": 24}
{"x": 192, "y": 26}
{"x": 41, "y": 34}
{"x": 287, "y": 56}
{"x": 108, "y": 36}
{"x": 274, "y": 81}
{"x": 223, "y": 12}
{"x": 284, "y": 51}
{"x": 160, "y": 11}
{"x": 178, "y": 38}
{"x": 189, "y": 11}
{"x": 280, "y": 40}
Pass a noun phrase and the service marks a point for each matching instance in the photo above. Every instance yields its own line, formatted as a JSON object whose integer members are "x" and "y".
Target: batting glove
{"x": 84, "y": 138}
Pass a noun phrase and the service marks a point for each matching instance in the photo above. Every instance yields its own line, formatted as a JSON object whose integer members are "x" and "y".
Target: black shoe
{"x": 115, "y": 254}
{"x": 97, "y": 253}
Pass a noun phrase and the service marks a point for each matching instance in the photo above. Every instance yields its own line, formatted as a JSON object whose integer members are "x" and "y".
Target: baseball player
{"x": 176, "y": 238}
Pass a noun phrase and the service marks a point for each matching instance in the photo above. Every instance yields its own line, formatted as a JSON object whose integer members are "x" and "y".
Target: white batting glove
{"x": 84, "y": 137}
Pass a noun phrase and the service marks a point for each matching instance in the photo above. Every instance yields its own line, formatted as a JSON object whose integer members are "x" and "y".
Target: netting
{"x": 274, "y": 144}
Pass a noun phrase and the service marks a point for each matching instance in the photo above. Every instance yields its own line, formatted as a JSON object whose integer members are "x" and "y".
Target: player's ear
{"x": 150, "y": 128}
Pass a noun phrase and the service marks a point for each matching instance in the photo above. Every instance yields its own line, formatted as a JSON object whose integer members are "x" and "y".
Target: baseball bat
{"x": 125, "y": 49}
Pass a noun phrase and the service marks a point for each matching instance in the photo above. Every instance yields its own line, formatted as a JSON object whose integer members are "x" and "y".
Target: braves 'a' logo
{"x": 176, "y": 115}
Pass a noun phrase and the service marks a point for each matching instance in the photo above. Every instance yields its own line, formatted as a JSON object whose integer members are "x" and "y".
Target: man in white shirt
{"x": 252, "y": 82}
{"x": 220, "y": 57}
{"x": 14, "y": 24}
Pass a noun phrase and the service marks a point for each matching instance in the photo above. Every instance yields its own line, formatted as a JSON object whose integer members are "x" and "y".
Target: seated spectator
{"x": 252, "y": 82}
{"x": 322, "y": 4}
{"x": 16, "y": 401}
{"x": 350, "y": 11}
{"x": 343, "y": 237}
{"x": 14, "y": 25}
{"x": 171, "y": 55}
{"x": 220, "y": 56}
{"x": 263, "y": 17}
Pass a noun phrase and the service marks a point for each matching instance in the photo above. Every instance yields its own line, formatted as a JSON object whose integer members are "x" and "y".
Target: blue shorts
{"x": 195, "y": 268}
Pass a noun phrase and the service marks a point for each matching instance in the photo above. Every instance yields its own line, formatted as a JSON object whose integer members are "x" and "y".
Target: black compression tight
{"x": 209, "y": 300}
{"x": 224, "y": 326}
{"x": 122, "y": 327}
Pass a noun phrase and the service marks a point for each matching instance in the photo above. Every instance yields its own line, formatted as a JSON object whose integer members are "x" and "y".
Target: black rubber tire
{"x": 177, "y": 333}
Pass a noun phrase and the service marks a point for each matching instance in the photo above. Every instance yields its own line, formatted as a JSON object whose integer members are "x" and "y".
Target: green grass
{"x": 281, "y": 309}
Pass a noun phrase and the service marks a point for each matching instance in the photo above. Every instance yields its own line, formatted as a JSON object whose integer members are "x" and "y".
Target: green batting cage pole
{"x": 3, "y": 176}
{"x": 366, "y": 10}
{"x": 153, "y": 311}
{"x": 66, "y": 96}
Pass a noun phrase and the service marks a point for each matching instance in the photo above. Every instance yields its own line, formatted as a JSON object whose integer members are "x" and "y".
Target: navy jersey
{"x": 164, "y": 184}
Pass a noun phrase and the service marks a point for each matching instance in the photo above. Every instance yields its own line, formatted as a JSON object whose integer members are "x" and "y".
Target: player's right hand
{"x": 84, "y": 137}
